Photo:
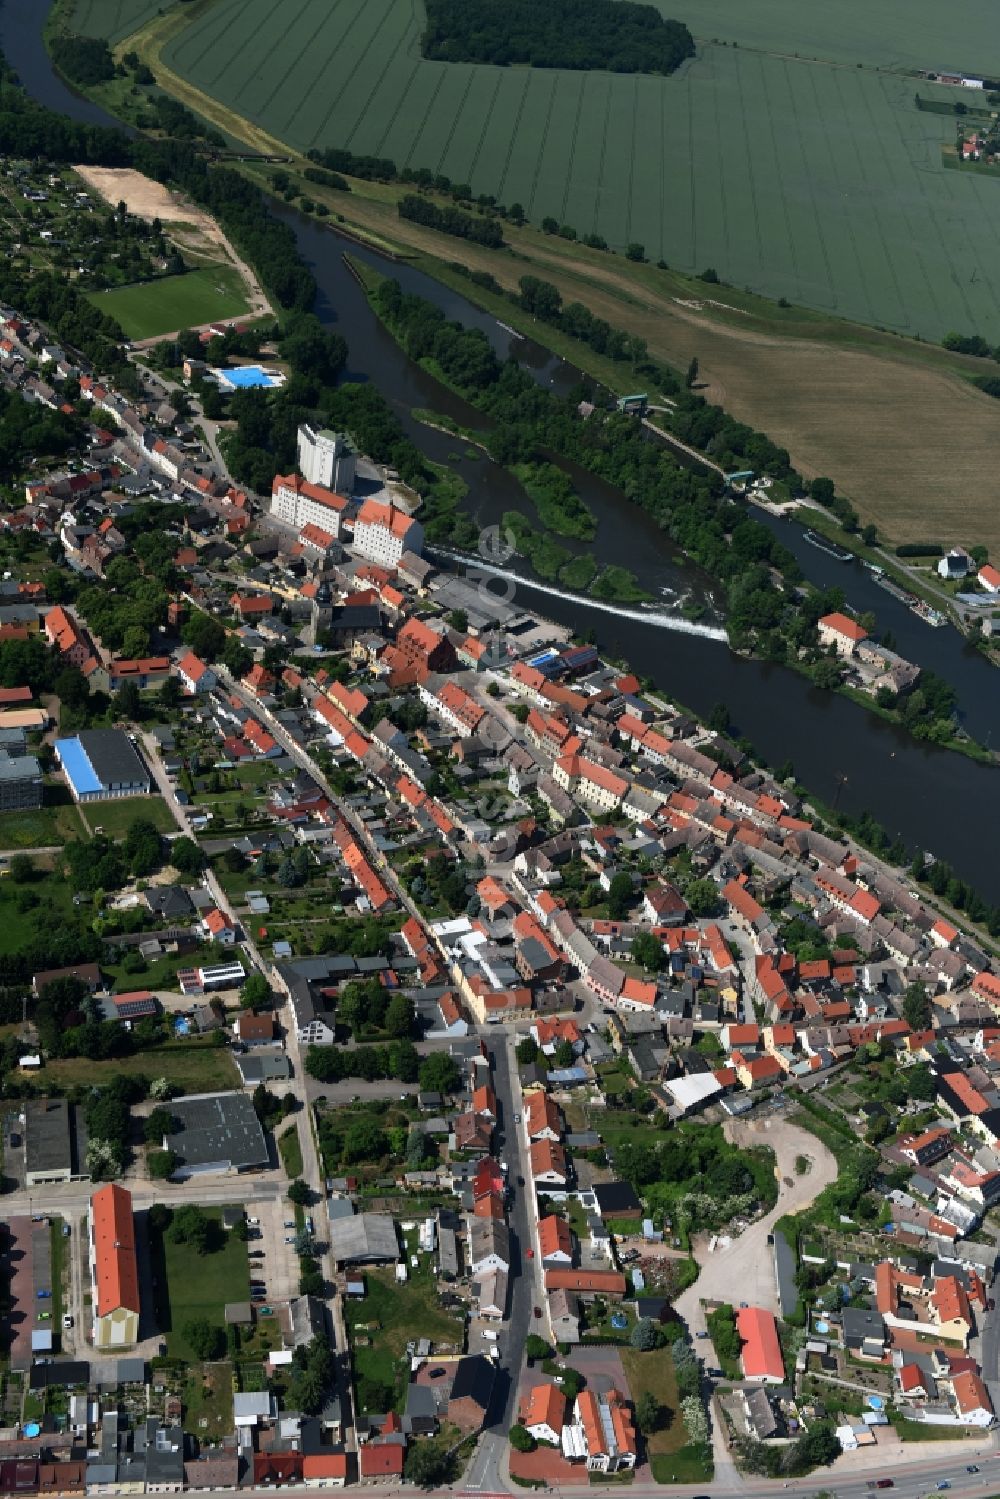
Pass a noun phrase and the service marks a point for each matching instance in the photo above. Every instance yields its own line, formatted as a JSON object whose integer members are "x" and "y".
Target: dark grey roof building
{"x": 216, "y": 1132}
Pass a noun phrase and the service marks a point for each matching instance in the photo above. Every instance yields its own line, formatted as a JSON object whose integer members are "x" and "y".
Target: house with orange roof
{"x": 639, "y": 996}
{"x": 496, "y": 900}
{"x": 555, "y": 1241}
{"x": 743, "y": 906}
{"x": 987, "y": 986}
{"x": 194, "y": 674}
{"x": 475, "y": 654}
{"x": 542, "y": 1412}
{"x": 587, "y": 1283}
{"x": 323, "y": 1470}
{"x": 217, "y": 927}
{"x": 547, "y": 1034}
{"x": 484, "y": 1102}
{"x": 757, "y": 1072}
{"x": 943, "y": 934}
{"x": 114, "y": 1268}
{"x": 548, "y": 1163}
{"x": 594, "y": 784}
{"x": 972, "y": 1399}
{"x": 744, "y": 1037}
{"x": 259, "y": 680}
{"x": 381, "y": 1462}
{"x": 842, "y": 632}
{"x": 950, "y": 1310}
{"x": 459, "y": 711}
{"x": 760, "y": 1355}
{"x": 251, "y": 605}
{"x": 541, "y": 1116}
{"x": 602, "y": 1434}
{"x": 927, "y": 1147}
{"x": 494, "y": 1006}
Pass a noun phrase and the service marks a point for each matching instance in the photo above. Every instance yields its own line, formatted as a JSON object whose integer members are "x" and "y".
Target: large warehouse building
{"x": 101, "y": 764}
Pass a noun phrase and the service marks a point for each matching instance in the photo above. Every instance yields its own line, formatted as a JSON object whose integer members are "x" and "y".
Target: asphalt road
{"x": 521, "y": 1282}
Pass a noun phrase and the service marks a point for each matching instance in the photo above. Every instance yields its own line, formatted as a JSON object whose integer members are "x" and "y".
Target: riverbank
{"x": 916, "y": 714}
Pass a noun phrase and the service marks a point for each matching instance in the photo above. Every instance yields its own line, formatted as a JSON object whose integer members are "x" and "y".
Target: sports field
{"x": 149, "y": 308}
{"x": 816, "y": 182}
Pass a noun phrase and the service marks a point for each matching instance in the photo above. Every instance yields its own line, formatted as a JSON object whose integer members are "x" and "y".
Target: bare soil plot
{"x": 192, "y": 229}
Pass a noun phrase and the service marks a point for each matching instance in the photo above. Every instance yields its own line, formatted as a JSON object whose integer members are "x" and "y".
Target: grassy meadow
{"x": 149, "y": 308}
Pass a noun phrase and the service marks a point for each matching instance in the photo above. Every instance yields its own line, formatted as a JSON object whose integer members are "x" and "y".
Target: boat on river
{"x": 829, "y": 547}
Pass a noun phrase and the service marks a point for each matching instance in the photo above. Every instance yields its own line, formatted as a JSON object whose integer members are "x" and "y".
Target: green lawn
{"x": 161, "y": 973}
{"x": 116, "y": 817}
{"x": 193, "y": 1065}
{"x": 400, "y": 1313}
{"x": 148, "y": 308}
{"x": 44, "y": 827}
{"x": 290, "y": 1150}
{"x": 208, "y": 1396}
{"x": 192, "y": 1285}
{"x": 671, "y": 1456}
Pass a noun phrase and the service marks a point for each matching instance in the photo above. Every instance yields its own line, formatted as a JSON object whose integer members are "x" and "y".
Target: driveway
{"x": 744, "y": 1271}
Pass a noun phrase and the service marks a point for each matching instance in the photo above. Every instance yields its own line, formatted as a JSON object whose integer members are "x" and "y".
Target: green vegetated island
{"x": 615, "y": 35}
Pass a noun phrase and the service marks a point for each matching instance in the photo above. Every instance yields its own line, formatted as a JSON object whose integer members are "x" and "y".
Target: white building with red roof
{"x": 842, "y": 632}
{"x": 299, "y": 503}
{"x": 194, "y": 674}
{"x": 384, "y": 532}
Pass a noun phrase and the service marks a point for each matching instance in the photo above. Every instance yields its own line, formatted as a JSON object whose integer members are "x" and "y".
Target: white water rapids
{"x": 662, "y": 621}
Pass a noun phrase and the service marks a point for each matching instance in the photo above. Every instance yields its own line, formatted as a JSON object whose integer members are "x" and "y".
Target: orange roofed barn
{"x": 114, "y": 1271}
{"x": 761, "y": 1354}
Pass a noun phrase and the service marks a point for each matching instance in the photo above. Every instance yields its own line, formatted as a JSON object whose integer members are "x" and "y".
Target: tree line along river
{"x": 933, "y": 799}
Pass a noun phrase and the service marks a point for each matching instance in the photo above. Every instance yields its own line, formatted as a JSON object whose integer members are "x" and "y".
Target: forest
{"x": 613, "y": 36}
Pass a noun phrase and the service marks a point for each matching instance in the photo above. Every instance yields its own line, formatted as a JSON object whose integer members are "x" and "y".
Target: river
{"x": 933, "y": 799}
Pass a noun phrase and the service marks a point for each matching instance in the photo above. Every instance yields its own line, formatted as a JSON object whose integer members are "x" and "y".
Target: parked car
{"x": 68, "y": 1322}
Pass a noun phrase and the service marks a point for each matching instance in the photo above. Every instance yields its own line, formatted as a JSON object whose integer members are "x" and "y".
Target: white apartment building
{"x": 326, "y": 458}
{"x": 382, "y": 533}
{"x": 298, "y": 503}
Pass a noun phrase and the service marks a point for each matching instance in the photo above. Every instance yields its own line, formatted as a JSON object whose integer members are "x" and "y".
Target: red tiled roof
{"x": 114, "y": 1249}
{"x": 843, "y": 625}
{"x": 761, "y": 1353}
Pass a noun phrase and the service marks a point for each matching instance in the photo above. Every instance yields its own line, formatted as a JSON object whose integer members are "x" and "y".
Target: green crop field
{"x": 959, "y": 36}
{"x": 113, "y": 19}
{"x": 148, "y": 308}
{"x": 817, "y": 182}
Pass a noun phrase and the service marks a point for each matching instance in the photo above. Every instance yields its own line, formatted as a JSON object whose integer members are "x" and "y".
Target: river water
{"x": 934, "y": 799}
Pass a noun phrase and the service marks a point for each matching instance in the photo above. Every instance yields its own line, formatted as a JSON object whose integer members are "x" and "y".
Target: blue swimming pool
{"x": 247, "y": 377}
{"x": 182, "y": 1027}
